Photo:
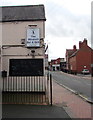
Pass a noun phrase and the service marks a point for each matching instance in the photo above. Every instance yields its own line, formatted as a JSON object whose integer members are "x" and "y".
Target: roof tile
{"x": 23, "y": 13}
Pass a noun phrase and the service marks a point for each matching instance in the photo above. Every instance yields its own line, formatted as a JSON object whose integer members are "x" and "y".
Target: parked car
{"x": 85, "y": 71}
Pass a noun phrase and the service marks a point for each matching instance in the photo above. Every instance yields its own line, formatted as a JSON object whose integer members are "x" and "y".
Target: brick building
{"x": 55, "y": 64}
{"x": 81, "y": 58}
{"x": 58, "y": 64}
{"x": 69, "y": 52}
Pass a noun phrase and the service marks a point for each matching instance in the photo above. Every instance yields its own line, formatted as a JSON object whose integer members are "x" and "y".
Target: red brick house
{"x": 81, "y": 58}
{"x": 55, "y": 64}
{"x": 58, "y": 64}
{"x": 69, "y": 52}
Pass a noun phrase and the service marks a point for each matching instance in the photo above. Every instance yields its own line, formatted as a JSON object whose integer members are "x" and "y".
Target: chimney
{"x": 85, "y": 42}
{"x": 80, "y": 44}
{"x": 74, "y": 48}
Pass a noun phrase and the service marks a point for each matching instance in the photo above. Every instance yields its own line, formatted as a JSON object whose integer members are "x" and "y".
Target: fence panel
{"x": 30, "y": 84}
{"x": 28, "y": 89}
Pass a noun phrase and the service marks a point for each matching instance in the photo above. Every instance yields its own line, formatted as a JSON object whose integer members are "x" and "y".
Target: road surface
{"x": 80, "y": 85}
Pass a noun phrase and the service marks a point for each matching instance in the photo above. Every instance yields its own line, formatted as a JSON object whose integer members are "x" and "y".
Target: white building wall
{"x": 13, "y": 32}
{"x": 12, "y": 48}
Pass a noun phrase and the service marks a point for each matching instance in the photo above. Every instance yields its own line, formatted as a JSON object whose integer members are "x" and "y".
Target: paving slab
{"x": 74, "y": 105}
{"x": 33, "y": 111}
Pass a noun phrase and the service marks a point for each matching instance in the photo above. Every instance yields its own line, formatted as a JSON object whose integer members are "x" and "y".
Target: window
{"x": 26, "y": 67}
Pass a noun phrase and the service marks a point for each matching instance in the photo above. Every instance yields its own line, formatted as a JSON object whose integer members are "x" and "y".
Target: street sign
{"x": 33, "y": 38}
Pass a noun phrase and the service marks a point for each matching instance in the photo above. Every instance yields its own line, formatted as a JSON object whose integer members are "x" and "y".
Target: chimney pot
{"x": 74, "y": 47}
{"x": 80, "y": 44}
{"x": 85, "y": 41}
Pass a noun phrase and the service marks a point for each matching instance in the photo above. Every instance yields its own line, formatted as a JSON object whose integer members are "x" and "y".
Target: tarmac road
{"x": 80, "y": 85}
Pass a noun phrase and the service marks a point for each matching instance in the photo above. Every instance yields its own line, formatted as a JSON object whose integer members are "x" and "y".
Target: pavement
{"x": 75, "y": 106}
{"x": 87, "y": 77}
{"x": 33, "y": 111}
{"x": 66, "y": 104}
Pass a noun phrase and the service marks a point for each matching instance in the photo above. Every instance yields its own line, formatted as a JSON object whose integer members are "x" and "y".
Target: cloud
{"x": 68, "y": 22}
{"x": 75, "y": 6}
{"x": 21, "y": 2}
{"x": 65, "y": 28}
{"x": 62, "y": 23}
{"x": 58, "y": 46}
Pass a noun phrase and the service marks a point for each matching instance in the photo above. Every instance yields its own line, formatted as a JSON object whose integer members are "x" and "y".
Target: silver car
{"x": 85, "y": 71}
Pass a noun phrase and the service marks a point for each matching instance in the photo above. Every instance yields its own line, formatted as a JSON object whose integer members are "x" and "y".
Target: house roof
{"x": 22, "y": 13}
{"x": 75, "y": 53}
{"x": 69, "y": 52}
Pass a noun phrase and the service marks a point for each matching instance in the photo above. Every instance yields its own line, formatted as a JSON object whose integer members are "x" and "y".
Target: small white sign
{"x": 33, "y": 39}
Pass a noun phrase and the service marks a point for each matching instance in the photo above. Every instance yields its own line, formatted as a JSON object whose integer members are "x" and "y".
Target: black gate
{"x": 27, "y": 90}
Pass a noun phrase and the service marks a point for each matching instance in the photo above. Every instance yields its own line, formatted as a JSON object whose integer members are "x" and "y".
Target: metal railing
{"x": 27, "y": 89}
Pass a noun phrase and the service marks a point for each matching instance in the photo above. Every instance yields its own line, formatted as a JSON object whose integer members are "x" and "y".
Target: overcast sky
{"x": 68, "y": 22}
